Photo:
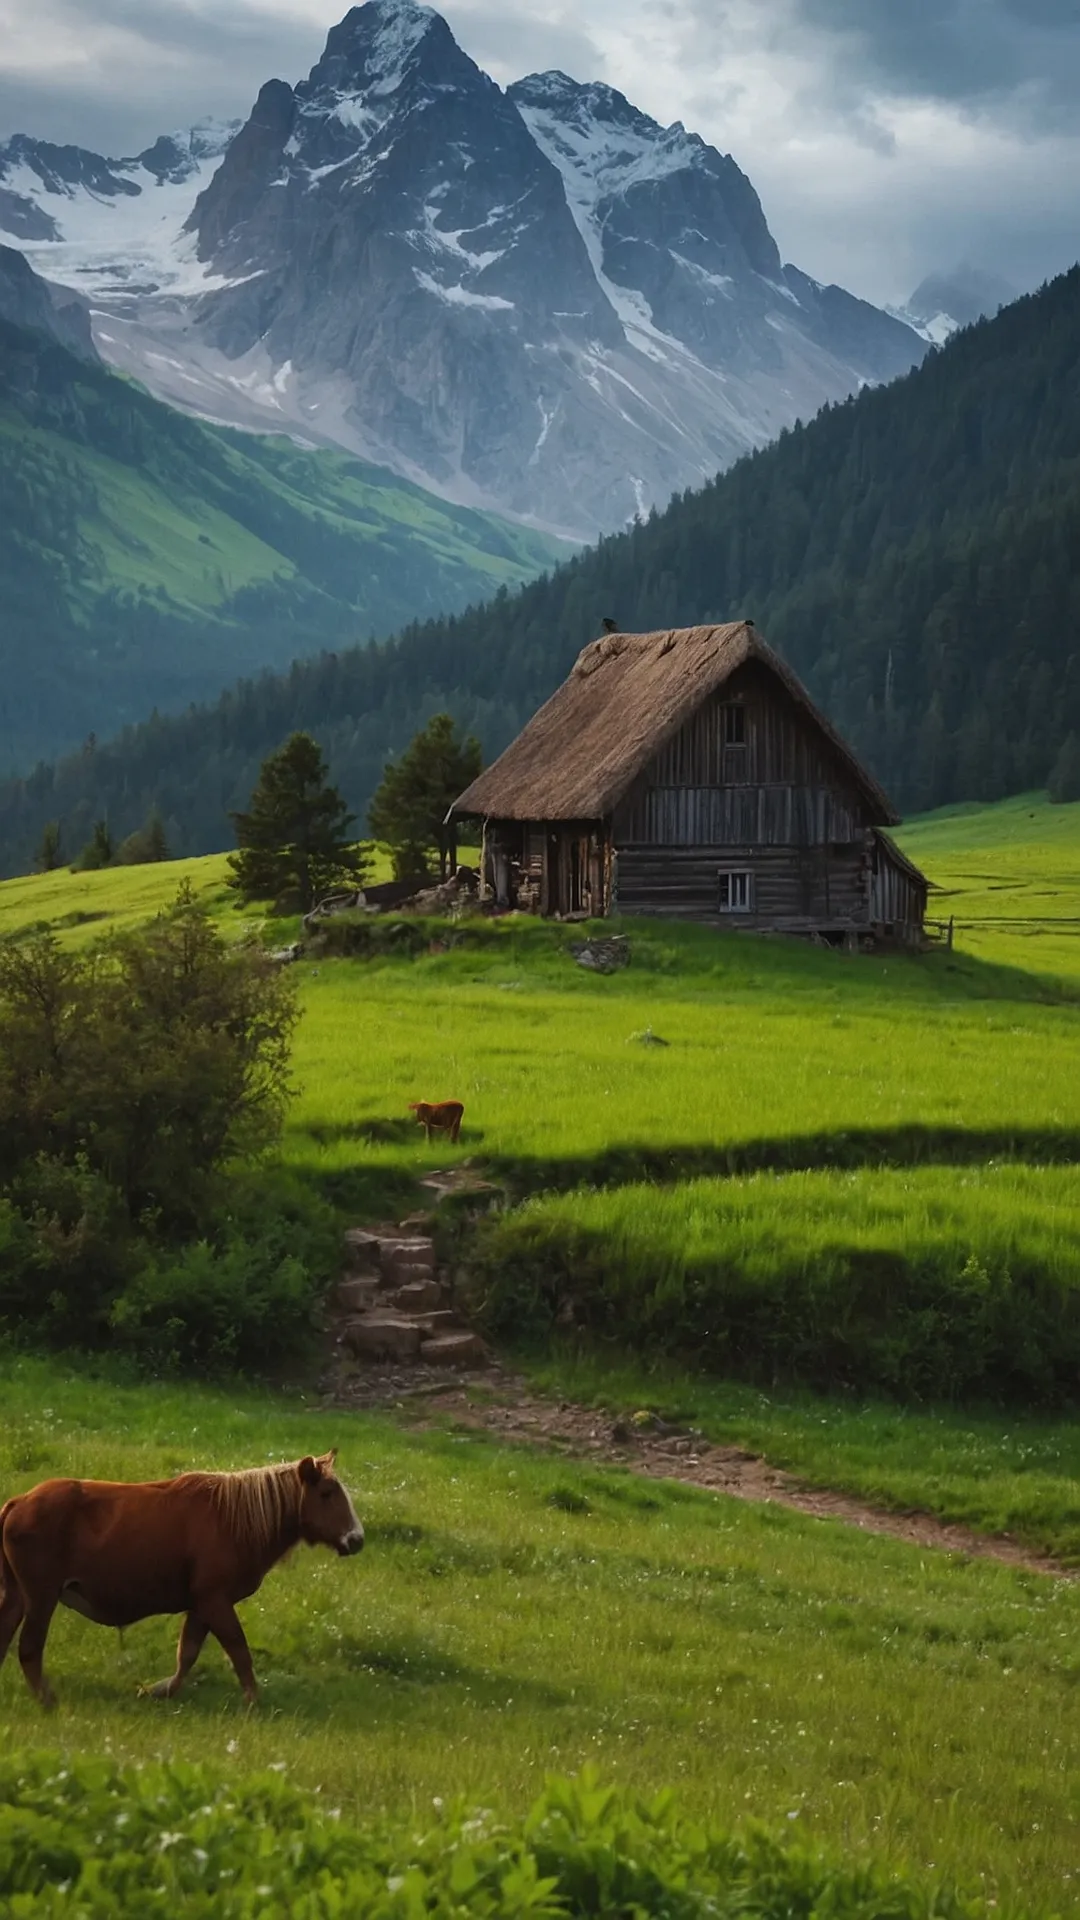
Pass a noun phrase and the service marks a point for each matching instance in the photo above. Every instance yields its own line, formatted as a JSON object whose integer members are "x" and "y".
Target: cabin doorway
{"x": 569, "y": 874}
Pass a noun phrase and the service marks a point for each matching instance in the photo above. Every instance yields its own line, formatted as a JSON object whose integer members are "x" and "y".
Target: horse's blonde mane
{"x": 258, "y": 1504}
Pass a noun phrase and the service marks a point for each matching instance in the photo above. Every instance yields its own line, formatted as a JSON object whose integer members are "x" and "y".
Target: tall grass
{"x": 936, "y": 1283}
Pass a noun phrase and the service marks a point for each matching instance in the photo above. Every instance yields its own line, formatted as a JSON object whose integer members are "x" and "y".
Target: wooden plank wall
{"x": 897, "y": 899}
{"x": 793, "y": 886}
{"x": 783, "y": 787}
{"x": 765, "y": 816}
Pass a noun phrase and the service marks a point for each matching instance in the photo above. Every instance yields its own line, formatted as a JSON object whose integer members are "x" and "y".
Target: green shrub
{"x": 136, "y": 1085}
{"x": 74, "y": 1274}
{"x": 91, "y": 1839}
{"x": 244, "y": 1296}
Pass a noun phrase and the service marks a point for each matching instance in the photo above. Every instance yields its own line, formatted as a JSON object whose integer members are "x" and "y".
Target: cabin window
{"x": 734, "y": 724}
{"x": 736, "y": 892}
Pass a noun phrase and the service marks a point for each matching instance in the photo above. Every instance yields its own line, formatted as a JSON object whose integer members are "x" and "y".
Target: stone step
{"x": 382, "y": 1336}
{"x": 361, "y": 1249}
{"x": 420, "y": 1296}
{"x": 407, "y": 1256}
{"x": 445, "y": 1321}
{"x": 463, "y": 1349}
{"x": 357, "y": 1292}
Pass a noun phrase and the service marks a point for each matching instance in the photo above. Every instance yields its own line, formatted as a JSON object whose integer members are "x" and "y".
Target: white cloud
{"x": 880, "y": 150}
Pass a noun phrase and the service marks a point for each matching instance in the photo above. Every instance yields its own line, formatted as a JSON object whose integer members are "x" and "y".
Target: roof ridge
{"x": 584, "y": 747}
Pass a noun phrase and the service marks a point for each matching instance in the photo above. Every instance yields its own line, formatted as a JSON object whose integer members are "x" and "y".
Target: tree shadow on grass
{"x": 376, "y": 1132}
{"x": 373, "y": 1191}
{"x": 844, "y": 1149}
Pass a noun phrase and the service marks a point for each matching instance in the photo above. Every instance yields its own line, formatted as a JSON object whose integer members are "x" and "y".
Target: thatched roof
{"x": 625, "y": 697}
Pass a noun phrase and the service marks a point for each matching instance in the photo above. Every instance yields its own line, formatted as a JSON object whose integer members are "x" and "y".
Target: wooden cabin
{"x": 689, "y": 773}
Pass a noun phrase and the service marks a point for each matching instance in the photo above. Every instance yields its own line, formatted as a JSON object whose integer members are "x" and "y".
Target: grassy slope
{"x": 765, "y": 1663}
{"x": 145, "y": 535}
{"x": 133, "y": 534}
{"x": 777, "y": 1051}
{"x": 1010, "y": 876}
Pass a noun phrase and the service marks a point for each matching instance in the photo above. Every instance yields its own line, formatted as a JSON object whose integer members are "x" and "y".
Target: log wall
{"x": 749, "y": 786}
{"x": 825, "y": 888}
{"x": 782, "y": 787}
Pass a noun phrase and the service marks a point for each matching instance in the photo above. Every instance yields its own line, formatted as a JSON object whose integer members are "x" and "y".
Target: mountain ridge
{"x": 399, "y": 257}
{"x": 149, "y": 558}
{"x": 913, "y": 552}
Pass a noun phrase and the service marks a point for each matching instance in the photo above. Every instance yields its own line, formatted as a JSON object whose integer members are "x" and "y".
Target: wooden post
{"x": 481, "y": 892}
{"x": 948, "y": 940}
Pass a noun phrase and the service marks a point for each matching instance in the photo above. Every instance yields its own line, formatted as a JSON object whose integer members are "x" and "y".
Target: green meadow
{"x": 514, "y": 1614}
{"x": 809, "y": 1113}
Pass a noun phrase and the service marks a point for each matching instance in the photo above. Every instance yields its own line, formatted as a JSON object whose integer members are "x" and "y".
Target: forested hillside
{"x": 148, "y": 559}
{"x": 915, "y": 553}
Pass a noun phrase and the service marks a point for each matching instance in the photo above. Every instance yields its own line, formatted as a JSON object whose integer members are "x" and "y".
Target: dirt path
{"x": 501, "y": 1404}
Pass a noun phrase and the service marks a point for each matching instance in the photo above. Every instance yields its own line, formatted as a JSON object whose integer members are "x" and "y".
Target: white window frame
{"x": 740, "y": 889}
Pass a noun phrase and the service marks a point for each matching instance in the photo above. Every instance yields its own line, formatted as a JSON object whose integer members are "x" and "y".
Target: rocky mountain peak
{"x": 373, "y": 46}
{"x": 383, "y": 58}
{"x": 178, "y": 156}
{"x": 610, "y": 137}
{"x": 665, "y": 217}
{"x": 540, "y": 299}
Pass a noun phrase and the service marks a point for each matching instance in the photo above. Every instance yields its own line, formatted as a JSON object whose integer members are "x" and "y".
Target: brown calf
{"x": 445, "y": 1116}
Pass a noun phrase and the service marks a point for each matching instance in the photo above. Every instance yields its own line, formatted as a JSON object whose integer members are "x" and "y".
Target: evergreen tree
{"x": 409, "y": 809}
{"x": 49, "y": 856}
{"x": 99, "y": 849}
{"x": 1064, "y": 783}
{"x": 146, "y": 845}
{"x": 933, "y": 524}
{"x": 294, "y": 836}
{"x": 156, "y": 842}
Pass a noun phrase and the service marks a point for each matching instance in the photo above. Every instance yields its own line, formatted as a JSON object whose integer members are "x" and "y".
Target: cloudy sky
{"x": 887, "y": 138}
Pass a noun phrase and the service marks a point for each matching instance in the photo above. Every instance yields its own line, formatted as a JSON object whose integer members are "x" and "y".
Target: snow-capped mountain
{"x": 537, "y": 299}
{"x": 944, "y": 301}
{"x": 110, "y": 227}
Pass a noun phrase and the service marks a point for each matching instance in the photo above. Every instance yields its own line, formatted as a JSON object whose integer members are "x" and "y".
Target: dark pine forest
{"x": 915, "y": 554}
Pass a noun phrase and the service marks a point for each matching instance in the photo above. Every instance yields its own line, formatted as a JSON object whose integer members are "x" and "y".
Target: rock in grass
{"x": 602, "y": 956}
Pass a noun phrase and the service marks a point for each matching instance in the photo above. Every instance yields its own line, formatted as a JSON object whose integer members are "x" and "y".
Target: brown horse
{"x": 116, "y": 1553}
{"x": 444, "y": 1117}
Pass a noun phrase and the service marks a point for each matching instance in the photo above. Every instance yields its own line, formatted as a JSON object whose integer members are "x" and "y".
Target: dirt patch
{"x": 496, "y": 1402}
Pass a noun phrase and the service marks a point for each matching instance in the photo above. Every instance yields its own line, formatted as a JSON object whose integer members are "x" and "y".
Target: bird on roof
{"x": 609, "y": 625}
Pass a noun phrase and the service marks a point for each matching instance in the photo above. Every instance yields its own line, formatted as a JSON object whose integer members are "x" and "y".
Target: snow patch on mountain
{"x": 459, "y": 296}
{"x": 113, "y": 226}
{"x": 401, "y": 26}
{"x": 945, "y": 301}
{"x": 594, "y": 134}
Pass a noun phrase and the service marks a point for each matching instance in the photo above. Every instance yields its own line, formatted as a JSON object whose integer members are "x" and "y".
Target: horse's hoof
{"x": 159, "y": 1691}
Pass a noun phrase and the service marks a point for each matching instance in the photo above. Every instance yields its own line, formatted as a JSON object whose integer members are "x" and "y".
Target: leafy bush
{"x": 91, "y": 1839}
{"x": 135, "y": 1085}
{"x": 242, "y": 1294}
{"x": 940, "y": 1289}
